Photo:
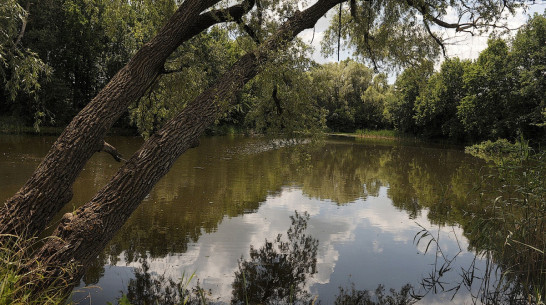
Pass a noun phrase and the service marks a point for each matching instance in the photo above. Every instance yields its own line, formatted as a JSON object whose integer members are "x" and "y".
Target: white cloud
{"x": 372, "y": 229}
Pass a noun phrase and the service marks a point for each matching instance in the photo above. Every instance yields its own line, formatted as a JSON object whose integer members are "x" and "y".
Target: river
{"x": 320, "y": 219}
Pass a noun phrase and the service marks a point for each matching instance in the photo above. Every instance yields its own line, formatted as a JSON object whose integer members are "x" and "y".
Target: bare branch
{"x": 107, "y": 148}
{"x": 474, "y": 23}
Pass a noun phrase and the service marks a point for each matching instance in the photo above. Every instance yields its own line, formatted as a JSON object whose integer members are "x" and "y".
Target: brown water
{"x": 366, "y": 202}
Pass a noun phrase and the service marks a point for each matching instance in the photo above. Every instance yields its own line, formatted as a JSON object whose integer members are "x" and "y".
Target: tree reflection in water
{"x": 146, "y": 289}
{"x": 378, "y": 297}
{"x": 277, "y": 272}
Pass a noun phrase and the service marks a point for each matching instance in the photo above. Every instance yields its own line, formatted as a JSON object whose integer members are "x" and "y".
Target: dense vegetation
{"x": 68, "y": 50}
{"x": 55, "y": 56}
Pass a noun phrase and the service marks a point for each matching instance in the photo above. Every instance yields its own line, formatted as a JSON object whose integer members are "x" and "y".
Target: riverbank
{"x": 11, "y": 126}
{"x": 388, "y": 134}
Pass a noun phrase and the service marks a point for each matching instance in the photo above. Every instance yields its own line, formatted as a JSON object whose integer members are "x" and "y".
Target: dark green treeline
{"x": 71, "y": 48}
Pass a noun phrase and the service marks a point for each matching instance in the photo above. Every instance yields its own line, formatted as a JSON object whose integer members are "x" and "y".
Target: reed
{"x": 512, "y": 228}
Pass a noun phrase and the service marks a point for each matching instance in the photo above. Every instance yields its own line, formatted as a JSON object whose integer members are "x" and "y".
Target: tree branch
{"x": 249, "y": 31}
{"x": 424, "y": 9}
{"x": 107, "y": 148}
{"x": 23, "y": 27}
{"x": 276, "y": 100}
{"x": 353, "y": 10}
{"x": 438, "y": 40}
{"x": 232, "y": 13}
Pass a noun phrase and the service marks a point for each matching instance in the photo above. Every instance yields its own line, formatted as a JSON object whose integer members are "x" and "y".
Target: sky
{"x": 468, "y": 47}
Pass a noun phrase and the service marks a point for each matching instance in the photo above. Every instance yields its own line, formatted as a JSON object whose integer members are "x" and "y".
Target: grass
{"x": 387, "y": 134}
{"x": 382, "y": 133}
{"x": 17, "y": 283}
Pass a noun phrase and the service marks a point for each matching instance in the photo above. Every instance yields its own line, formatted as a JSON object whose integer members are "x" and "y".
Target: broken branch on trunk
{"x": 111, "y": 150}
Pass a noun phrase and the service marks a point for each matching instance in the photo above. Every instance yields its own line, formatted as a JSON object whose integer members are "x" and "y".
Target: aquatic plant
{"x": 500, "y": 151}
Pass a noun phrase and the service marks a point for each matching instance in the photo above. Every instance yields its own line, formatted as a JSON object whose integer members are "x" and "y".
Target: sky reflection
{"x": 366, "y": 242}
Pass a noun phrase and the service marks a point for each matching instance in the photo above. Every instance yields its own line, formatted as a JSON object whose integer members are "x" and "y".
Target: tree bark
{"x": 82, "y": 235}
{"x": 50, "y": 187}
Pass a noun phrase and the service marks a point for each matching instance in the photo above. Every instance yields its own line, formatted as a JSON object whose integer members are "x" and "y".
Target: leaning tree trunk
{"x": 50, "y": 186}
{"x": 82, "y": 235}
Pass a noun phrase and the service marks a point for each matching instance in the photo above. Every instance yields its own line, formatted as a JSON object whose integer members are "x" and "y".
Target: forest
{"x": 69, "y": 50}
{"x": 172, "y": 71}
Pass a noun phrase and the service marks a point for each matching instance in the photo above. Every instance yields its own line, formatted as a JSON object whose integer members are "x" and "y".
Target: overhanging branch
{"x": 474, "y": 23}
{"x": 438, "y": 40}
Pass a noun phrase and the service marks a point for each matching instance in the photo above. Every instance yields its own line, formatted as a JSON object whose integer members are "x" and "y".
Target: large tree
{"x": 82, "y": 234}
{"x": 50, "y": 186}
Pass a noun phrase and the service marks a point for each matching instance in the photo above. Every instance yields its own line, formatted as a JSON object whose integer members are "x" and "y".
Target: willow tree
{"x": 50, "y": 186}
{"x": 81, "y": 235}
{"x": 20, "y": 68}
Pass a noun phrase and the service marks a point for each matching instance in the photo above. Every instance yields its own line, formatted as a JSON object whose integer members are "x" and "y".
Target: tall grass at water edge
{"x": 18, "y": 283}
{"x": 513, "y": 225}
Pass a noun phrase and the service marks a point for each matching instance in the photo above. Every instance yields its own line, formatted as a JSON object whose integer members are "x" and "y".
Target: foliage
{"x": 485, "y": 110}
{"x": 500, "y": 150}
{"x": 339, "y": 88}
{"x": 282, "y": 98}
{"x": 499, "y": 95}
{"x": 195, "y": 66}
{"x": 402, "y": 33}
{"x": 77, "y": 46}
{"x": 377, "y": 95}
{"x": 512, "y": 226}
{"x": 20, "y": 68}
{"x": 80, "y": 44}
{"x": 529, "y": 63}
{"x": 400, "y": 111}
{"x": 382, "y": 33}
{"x": 436, "y": 106}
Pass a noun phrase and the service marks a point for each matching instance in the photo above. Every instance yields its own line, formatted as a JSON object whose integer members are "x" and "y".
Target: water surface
{"x": 366, "y": 202}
